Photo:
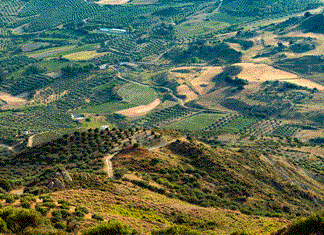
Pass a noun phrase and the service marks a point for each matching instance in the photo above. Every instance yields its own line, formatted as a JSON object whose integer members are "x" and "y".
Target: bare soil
{"x": 139, "y": 110}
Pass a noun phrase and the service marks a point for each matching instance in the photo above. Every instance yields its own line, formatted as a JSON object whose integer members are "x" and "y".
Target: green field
{"x": 137, "y": 95}
{"x": 238, "y": 124}
{"x": 195, "y": 123}
{"x": 106, "y": 108}
{"x": 230, "y": 19}
{"x": 199, "y": 28}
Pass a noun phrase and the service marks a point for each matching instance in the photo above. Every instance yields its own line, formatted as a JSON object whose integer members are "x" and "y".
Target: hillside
{"x": 261, "y": 8}
{"x": 161, "y": 117}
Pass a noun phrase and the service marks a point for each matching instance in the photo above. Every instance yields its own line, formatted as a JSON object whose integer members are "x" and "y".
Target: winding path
{"x": 11, "y": 148}
{"x": 180, "y": 101}
{"x": 108, "y": 165}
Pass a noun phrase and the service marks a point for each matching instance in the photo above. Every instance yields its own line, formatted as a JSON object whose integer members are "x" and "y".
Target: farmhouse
{"x": 130, "y": 65}
{"x": 113, "y": 31}
{"x": 77, "y": 116}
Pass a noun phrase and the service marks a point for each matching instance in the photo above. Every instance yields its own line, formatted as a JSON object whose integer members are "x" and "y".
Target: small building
{"x": 113, "y": 31}
{"x": 130, "y": 65}
{"x": 102, "y": 128}
{"x": 103, "y": 66}
{"x": 77, "y": 116}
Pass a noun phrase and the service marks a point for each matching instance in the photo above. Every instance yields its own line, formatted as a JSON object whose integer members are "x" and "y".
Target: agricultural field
{"x": 137, "y": 94}
{"x": 140, "y": 110}
{"x": 106, "y": 108}
{"x": 163, "y": 117}
{"x": 83, "y": 56}
{"x": 195, "y": 123}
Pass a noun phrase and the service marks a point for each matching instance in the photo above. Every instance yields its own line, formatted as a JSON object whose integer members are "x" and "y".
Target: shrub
{"x": 97, "y": 217}
{"x": 25, "y": 204}
{"x": 314, "y": 224}
{"x": 42, "y": 231}
{"x": 65, "y": 213}
{"x": 41, "y": 209}
{"x": 10, "y": 199}
{"x": 19, "y": 219}
{"x": 80, "y": 214}
{"x": 3, "y": 226}
{"x": 82, "y": 209}
{"x": 60, "y": 225}
{"x": 49, "y": 204}
{"x": 111, "y": 227}
{"x": 239, "y": 233}
{"x": 62, "y": 201}
{"x": 176, "y": 230}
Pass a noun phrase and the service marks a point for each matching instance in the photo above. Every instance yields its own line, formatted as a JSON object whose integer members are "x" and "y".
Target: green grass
{"x": 195, "y": 123}
{"x": 136, "y": 213}
{"x": 138, "y": 95}
{"x": 238, "y": 124}
{"x": 106, "y": 108}
{"x": 198, "y": 28}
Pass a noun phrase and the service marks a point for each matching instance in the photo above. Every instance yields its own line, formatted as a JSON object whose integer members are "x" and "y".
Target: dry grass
{"x": 140, "y": 110}
{"x": 306, "y": 83}
{"x": 185, "y": 90}
{"x": 11, "y": 101}
{"x": 145, "y": 210}
{"x": 262, "y": 72}
{"x": 83, "y": 55}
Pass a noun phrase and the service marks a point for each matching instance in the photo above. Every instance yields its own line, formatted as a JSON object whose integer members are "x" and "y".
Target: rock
{"x": 56, "y": 183}
{"x": 66, "y": 176}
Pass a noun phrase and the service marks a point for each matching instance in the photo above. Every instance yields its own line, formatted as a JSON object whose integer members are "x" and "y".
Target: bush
{"x": 10, "y": 199}
{"x": 176, "y": 230}
{"x": 25, "y": 204}
{"x": 82, "y": 209}
{"x": 314, "y": 224}
{"x": 19, "y": 219}
{"x": 3, "y": 226}
{"x": 60, "y": 225}
{"x": 49, "y": 204}
{"x": 41, "y": 209}
{"x": 63, "y": 202}
{"x": 42, "y": 231}
{"x": 65, "y": 214}
{"x": 111, "y": 227}
{"x": 97, "y": 217}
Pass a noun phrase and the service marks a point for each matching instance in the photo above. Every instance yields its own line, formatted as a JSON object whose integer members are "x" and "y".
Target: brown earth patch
{"x": 139, "y": 110}
{"x": 11, "y": 101}
{"x": 185, "y": 90}
{"x": 263, "y": 72}
{"x": 306, "y": 83}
